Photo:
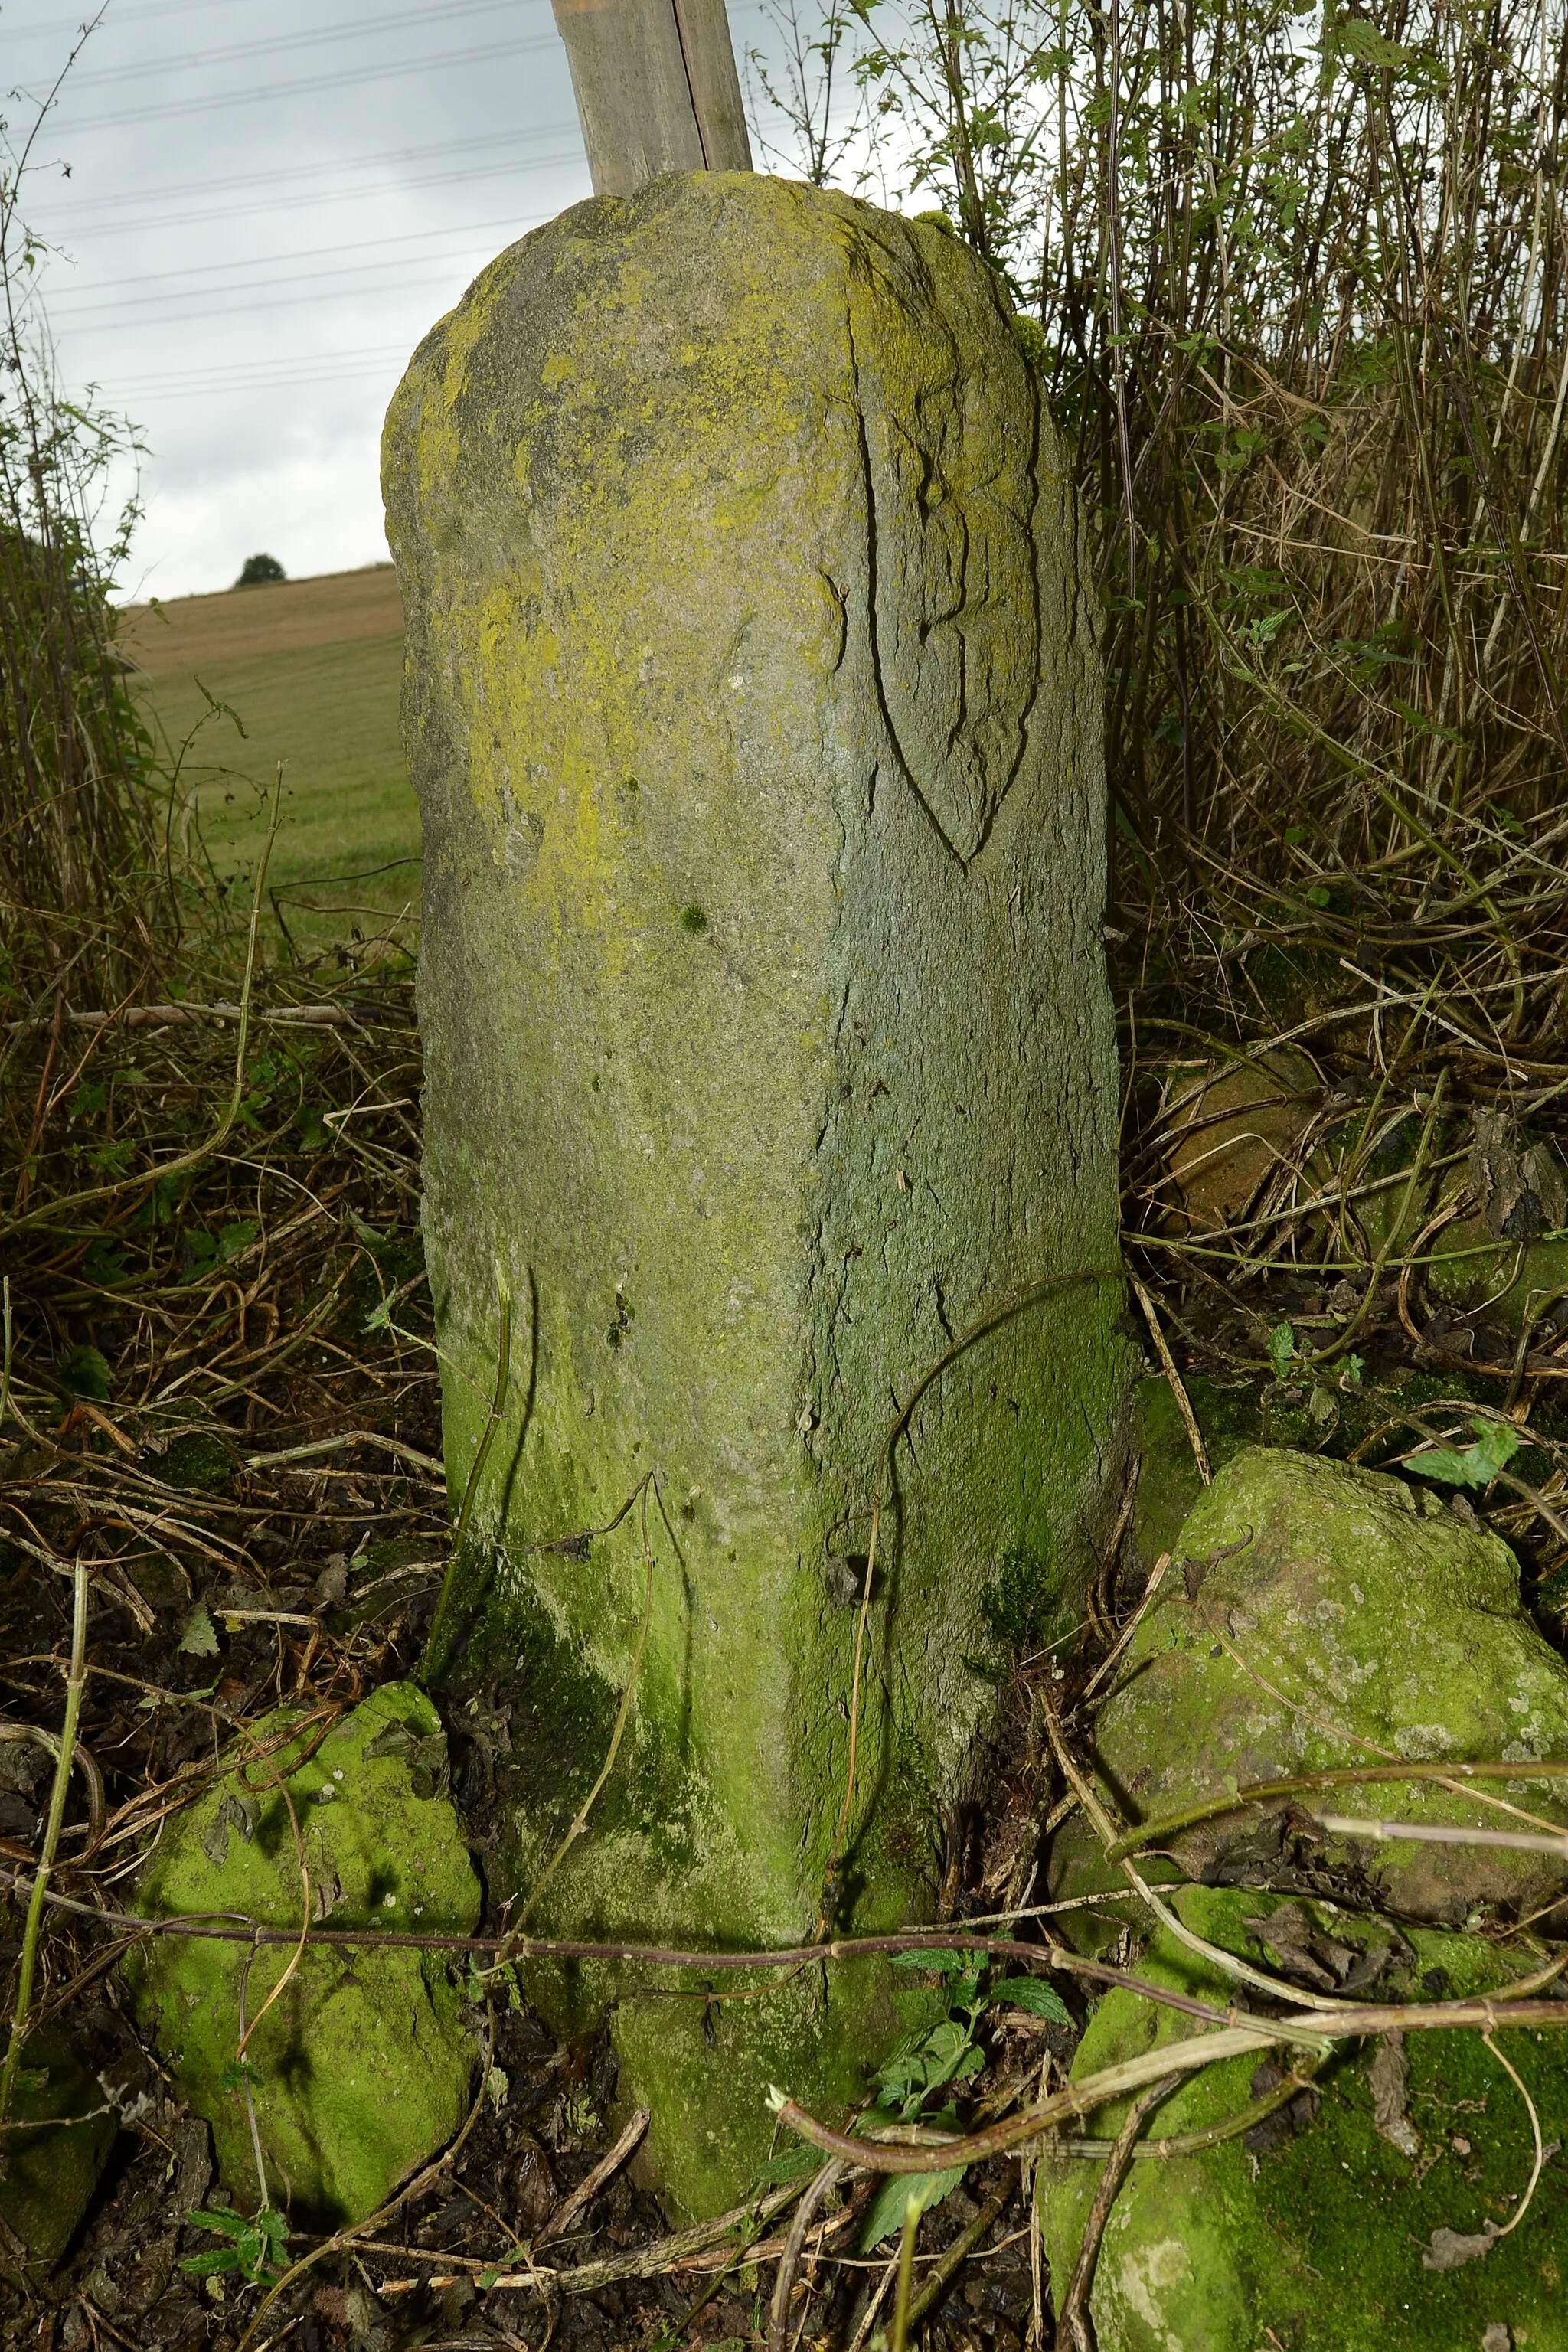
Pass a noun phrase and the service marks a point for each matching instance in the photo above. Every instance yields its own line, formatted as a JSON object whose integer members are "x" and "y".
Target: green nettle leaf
{"x": 1496, "y": 1445}
{"x": 199, "y": 1251}
{"x": 104, "y": 1262}
{"x": 227, "y": 2223}
{"x": 198, "y": 1636}
{"x": 1040, "y": 2000}
{"x": 518, "y": 2258}
{"x": 897, "y": 2194}
{"x": 1552, "y": 1594}
{"x": 221, "y": 2258}
{"x": 1281, "y": 1350}
{"x": 1356, "y": 38}
{"x": 257, "y": 2247}
{"x": 85, "y": 1373}
{"x": 950, "y": 1963}
{"x": 944, "y": 2046}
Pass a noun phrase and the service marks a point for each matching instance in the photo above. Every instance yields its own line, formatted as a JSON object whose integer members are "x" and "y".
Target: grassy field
{"x": 311, "y": 668}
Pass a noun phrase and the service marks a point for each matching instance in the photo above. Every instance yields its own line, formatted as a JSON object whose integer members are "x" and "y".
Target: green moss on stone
{"x": 361, "y": 2067}
{"x": 1470, "y": 1267}
{"x": 1230, "y": 1414}
{"x": 56, "y": 2148}
{"x": 742, "y": 574}
{"x": 1314, "y": 2244}
{"x": 198, "y": 1462}
{"x": 1315, "y": 1611}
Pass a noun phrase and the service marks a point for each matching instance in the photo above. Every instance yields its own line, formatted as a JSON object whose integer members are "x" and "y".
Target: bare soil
{"x": 281, "y": 616}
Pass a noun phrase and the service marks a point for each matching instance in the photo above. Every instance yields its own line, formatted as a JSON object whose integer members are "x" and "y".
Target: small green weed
{"x": 934, "y": 2055}
{"x": 1496, "y": 1445}
{"x": 255, "y": 2248}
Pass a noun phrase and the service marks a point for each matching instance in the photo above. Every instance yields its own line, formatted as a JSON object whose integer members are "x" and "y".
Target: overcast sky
{"x": 266, "y": 209}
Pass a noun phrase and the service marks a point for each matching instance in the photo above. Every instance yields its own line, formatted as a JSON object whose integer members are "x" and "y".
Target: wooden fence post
{"x": 657, "y": 89}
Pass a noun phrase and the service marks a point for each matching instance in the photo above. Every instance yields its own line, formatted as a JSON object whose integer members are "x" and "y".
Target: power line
{"x": 349, "y": 286}
{"x": 293, "y": 172}
{"x": 325, "y": 33}
{"x": 225, "y": 310}
{"x": 307, "y": 253}
{"x": 360, "y": 193}
{"x": 307, "y": 362}
{"x": 359, "y": 75}
{"x": 240, "y": 385}
{"x": 39, "y": 25}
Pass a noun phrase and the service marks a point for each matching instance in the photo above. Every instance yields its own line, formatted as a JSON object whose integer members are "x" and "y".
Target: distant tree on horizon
{"x": 257, "y": 568}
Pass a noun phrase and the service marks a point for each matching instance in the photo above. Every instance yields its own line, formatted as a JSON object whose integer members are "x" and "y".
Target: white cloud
{"x": 245, "y": 273}
{"x": 264, "y": 213}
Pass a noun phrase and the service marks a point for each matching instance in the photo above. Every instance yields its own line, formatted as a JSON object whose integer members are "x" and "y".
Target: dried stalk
{"x": 76, "y": 1683}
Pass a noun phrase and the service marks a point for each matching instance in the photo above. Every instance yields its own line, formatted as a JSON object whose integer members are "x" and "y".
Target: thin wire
{"x": 39, "y": 25}
{"x": 305, "y": 253}
{"x": 365, "y": 360}
{"x": 236, "y": 52}
{"x": 358, "y": 76}
{"x": 119, "y": 225}
{"x": 388, "y": 371}
{"x": 335, "y": 293}
{"x": 115, "y": 204}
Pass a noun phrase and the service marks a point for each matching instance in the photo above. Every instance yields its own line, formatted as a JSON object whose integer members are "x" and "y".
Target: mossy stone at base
{"x": 1313, "y": 2241}
{"x": 1231, "y": 1125}
{"x": 362, "y": 2066}
{"x": 705, "y": 2072}
{"x": 48, "y": 2175}
{"x": 1229, "y": 1417}
{"x": 1318, "y": 1616}
{"x": 754, "y": 707}
{"x": 1471, "y": 1268}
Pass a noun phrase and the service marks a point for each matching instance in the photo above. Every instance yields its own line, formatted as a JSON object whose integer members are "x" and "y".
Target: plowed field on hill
{"x": 310, "y": 670}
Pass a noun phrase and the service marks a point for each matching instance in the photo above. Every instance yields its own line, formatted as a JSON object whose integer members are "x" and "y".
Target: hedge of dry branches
{"x": 1300, "y": 294}
{"x": 1297, "y": 284}
{"x": 87, "y": 896}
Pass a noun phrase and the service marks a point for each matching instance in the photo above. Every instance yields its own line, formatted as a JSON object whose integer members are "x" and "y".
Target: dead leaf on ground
{"x": 1390, "y": 2092}
{"x": 1449, "y": 2250}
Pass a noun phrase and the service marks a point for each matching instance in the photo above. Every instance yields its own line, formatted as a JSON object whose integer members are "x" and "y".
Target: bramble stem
{"x": 76, "y": 1683}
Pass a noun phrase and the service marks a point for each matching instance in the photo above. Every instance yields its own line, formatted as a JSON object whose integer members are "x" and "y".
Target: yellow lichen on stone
{"x": 754, "y": 707}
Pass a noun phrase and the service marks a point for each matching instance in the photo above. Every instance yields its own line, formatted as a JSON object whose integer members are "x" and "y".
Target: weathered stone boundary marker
{"x": 753, "y": 706}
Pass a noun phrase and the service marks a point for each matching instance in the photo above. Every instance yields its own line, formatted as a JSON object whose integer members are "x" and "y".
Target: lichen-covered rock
{"x": 1234, "y": 1127}
{"x": 752, "y": 704}
{"x": 1510, "y": 1253}
{"x": 1322, "y": 2231}
{"x": 56, "y": 2145}
{"x": 362, "y": 2066}
{"x": 1318, "y": 1616}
